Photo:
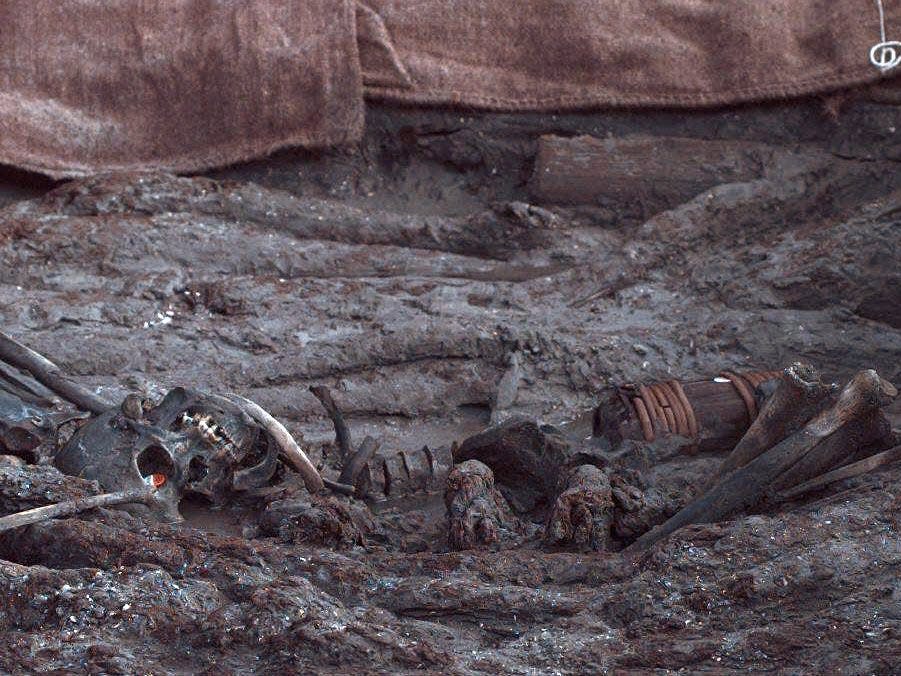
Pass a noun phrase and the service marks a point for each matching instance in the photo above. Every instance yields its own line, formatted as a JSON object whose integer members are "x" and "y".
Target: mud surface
{"x": 418, "y": 278}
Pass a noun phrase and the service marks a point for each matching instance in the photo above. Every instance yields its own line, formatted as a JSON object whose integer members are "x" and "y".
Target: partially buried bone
{"x": 799, "y": 395}
{"x": 288, "y": 447}
{"x": 747, "y": 485}
{"x": 477, "y": 513}
{"x": 583, "y": 513}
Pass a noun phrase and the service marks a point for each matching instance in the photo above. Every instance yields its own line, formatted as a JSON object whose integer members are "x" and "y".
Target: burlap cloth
{"x": 98, "y": 85}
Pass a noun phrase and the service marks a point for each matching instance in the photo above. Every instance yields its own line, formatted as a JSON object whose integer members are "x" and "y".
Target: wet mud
{"x": 425, "y": 280}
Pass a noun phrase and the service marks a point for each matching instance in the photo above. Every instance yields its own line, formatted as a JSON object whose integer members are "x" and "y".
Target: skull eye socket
{"x": 155, "y": 460}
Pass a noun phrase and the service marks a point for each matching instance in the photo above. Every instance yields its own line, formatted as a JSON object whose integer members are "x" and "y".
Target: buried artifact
{"x": 191, "y": 442}
{"x": 515, "y": 483}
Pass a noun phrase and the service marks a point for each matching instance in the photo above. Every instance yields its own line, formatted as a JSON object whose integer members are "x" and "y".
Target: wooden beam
{"x": 652, "y": 172}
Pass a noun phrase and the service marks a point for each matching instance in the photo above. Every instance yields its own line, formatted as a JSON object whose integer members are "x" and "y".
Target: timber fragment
{"x": 748, "y": 485}
{"x": 799, "y": 395}
{"x": 654, "y": 172}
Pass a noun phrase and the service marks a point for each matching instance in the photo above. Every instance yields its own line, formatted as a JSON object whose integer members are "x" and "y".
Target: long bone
{"x": 747, "y": 485}
{"x": 49, "y": 375}
{"x": 799, "y": 396}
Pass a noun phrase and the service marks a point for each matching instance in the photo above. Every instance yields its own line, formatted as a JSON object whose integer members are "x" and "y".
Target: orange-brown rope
{"x": 664, "y": 407}
{"x": 693, "y": 427}
{"x": 744, "y": 391}
{"x": 647, "y": 428}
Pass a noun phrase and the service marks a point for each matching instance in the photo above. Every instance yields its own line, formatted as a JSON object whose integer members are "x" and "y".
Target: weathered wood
{"x": 799, "y": 396}
{"x": 659, "y": 172}
{"x": 69, "y": 507}
{"x": 49, "y": 375}
{"x": 32, "y": 392}
{"x": 746, "y": 486}
{"x": 846, "y": 472}
{"x": 720, "y": 415}
{"x": 865, "y": 435}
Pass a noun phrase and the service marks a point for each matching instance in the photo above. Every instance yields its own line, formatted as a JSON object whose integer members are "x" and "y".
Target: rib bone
{"x": 288, "y": 447}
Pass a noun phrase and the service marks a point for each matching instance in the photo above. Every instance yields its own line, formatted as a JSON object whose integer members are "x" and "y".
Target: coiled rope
{"x": 664, "y": 406}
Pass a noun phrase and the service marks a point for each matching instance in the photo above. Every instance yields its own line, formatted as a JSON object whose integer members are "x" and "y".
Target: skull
{"x": 192, "y": 442}
{"x": 30, "y": 425}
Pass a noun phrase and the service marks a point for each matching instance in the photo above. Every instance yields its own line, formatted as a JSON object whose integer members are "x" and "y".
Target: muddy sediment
{"x": 427, "y": 282}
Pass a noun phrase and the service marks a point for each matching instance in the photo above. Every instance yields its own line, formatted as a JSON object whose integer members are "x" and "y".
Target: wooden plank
{"x": 661, "y": 172}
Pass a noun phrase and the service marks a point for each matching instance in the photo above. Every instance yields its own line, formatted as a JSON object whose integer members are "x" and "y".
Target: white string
{"x": 886, "y": 54}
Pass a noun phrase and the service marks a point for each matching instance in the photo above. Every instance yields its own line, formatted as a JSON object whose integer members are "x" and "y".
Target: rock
{"x": 583, "y": 513}
{"x": 477, "y": 513}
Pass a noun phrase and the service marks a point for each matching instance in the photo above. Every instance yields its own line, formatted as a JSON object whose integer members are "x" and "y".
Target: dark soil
{"x": 417, "y": 277}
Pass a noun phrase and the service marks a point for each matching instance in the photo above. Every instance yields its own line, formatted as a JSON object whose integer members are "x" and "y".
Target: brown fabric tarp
{"x": 565, "y": 54}
{"x": 97, "y": 85}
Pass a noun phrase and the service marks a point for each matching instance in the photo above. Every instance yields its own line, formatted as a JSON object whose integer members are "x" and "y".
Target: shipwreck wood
{"x": 847, "y": 472}
{"x": 658, "y": 172}
{"x": 49, "y": 375}
{"x": 799, "y": 396}
{"x": 747, "y": 486}
{"x": 871, "y": 432}
{"x": 711, "y": 414}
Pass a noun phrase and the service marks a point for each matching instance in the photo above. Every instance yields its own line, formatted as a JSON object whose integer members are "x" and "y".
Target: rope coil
{"x": 664, "y": 407}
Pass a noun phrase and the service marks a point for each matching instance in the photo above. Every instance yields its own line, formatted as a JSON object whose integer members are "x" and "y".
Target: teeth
{"x": 209, "y": 431}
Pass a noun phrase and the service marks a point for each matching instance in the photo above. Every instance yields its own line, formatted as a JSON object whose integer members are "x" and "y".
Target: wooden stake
{"x": 49, "y": 375}
{"x": 70, "y": 507}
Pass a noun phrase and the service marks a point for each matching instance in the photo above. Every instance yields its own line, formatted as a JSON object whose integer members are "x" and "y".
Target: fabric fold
{"x": 90, "y": 86}
{"x": 570, "y": 54}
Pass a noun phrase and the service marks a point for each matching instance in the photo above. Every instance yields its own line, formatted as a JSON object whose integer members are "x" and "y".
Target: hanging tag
{"x": 885, "y": 54}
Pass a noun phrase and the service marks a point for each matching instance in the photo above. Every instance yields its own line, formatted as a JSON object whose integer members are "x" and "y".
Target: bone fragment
{"x": 70, "y": 507}
{"x": 48, "y": 374}
{"x": 747, "y": 485}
